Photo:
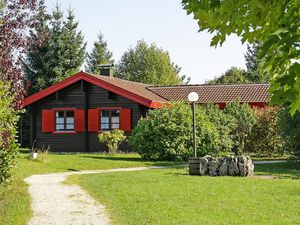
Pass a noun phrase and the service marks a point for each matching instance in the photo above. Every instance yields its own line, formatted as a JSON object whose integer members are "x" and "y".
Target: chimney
{"x": 107, "y": 69}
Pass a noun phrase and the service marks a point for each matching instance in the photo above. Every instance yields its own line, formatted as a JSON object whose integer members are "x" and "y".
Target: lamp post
{"x": 193, "y": 97}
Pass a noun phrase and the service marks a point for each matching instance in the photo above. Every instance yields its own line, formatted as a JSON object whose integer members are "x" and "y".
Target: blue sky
{"x": 164, "y": 22}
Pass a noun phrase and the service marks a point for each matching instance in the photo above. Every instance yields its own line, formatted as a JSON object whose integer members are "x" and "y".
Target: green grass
{"x": 172, "y": 197}
{"x": 14, "y": 197}
{"x": 268, "y": 158}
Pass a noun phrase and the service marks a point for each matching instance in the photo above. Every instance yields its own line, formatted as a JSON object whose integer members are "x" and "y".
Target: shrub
{"x": 224, "y": 123}
{"x": 112, "y": 139}
{"x": 265, "y": 138}
{"x": 290, "y": 130}
{"x": 166, "y": 134}
{"x": 245, "y": 119}
{"x": 8, "y": 133}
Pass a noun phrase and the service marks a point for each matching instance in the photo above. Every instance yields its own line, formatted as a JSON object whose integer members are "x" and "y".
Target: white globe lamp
{"x": 193, "y": 97}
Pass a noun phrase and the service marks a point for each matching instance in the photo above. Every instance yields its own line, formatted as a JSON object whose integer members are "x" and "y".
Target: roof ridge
{"x": 116, "y": 78}
{"x": 202, "y": 85}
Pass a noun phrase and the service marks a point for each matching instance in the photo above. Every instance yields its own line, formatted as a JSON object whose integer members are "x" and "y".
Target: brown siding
{"x": 74, "y": 97}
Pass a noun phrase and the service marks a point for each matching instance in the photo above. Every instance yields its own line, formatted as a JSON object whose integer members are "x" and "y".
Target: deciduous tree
{"x": 17, "y": 19}
{"x": 233, "y": 75}
{"x": 275, "y": 24}
{"x": 149, "y": 64}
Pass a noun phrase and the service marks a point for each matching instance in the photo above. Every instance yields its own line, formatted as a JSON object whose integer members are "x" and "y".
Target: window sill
{"x": 64, "y": 132}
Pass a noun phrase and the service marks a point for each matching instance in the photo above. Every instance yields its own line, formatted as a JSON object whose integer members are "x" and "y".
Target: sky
{"x": 163, "y": 22}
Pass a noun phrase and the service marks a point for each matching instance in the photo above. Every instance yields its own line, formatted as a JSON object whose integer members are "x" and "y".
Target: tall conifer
{"x": 99, "y": 55}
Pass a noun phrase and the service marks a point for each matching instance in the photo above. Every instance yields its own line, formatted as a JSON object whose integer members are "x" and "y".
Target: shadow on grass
{"x": 134, "y": 159}
{"x": 290, "y": 169}
{"x": 24, "y": 150}
{"x": 73, "y": 170}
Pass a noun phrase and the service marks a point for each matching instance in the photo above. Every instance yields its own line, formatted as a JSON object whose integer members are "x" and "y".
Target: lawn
{"x": 170, "y": 196}
{"x": 14, "y": 198}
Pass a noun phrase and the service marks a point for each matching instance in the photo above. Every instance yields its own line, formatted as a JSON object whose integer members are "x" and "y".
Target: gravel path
{"x": 58, "y": 204}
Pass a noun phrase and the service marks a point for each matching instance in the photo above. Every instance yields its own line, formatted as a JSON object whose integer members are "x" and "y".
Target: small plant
{"x": 43, "y": 155}
{"x": 112, "y": 139}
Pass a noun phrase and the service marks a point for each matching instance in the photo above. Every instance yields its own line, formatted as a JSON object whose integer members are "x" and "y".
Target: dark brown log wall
{"x": 81, "y": 95}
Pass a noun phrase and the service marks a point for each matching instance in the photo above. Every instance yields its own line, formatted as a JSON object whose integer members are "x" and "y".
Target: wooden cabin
{"x": 68, "y": 115}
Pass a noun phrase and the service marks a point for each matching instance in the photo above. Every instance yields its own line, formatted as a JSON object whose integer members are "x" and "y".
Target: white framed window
{"x": 110, "y": 119}
{"x": 64, "y": 121}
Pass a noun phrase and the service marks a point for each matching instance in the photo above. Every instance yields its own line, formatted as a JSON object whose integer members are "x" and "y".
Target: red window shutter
{"x": 47, "y": 120}
{"x": 79, "y": 120}
{"x": 125, "y": 119}
{"x": 93, "y": 120}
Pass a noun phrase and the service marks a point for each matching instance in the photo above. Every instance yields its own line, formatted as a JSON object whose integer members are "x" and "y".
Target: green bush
{"x": 166, "y": 134}
{"x": 112, "y": 139}
{"x": 290, "y": 130}
{"x": 265, "y": 138}
{"x": 8, "y": 133}
{"x": 224, "y": 123}
{"x": 245, "y": 119}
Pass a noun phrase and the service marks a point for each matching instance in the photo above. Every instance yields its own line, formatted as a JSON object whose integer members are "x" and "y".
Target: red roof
{"x": 132, "y": 90}
{"x": 215, "y": 93}
{"x": 155, "y": 96}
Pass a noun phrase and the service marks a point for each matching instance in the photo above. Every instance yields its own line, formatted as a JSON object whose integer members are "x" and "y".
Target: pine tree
{"x": 60, "y": 55}
{"x": 99, "y": 55}
{"x": 38, "y": 74}
{"x": 252, "y": 63}
{"x": 56, "y": 43}
{"x": 72, "y": 48}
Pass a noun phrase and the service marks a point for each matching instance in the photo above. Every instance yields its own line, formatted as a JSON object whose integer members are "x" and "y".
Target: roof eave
{"x": 91, "y": 79}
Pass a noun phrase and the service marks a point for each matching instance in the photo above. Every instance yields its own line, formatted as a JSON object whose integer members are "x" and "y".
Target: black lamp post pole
{"x": 194, "y": 130}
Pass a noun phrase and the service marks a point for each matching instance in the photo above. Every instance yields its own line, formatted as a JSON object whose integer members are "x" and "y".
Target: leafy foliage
{"x": 233, "y": 75}
{"x": 112, "y": 139}
{"x": 275, "y": 24}
{"x": 290, "y": 131}
{"x": 8, "y": 133}
{"x": 149, "y": 65}
{"x": 245, "y": 119}
{"x": 166, "y": 134}
{"x": 17, "y": 18}
{"x": 253, "y": 73}
{"x": 99, "y": 55}
{"x": 224, "y": 123}
{"x": 265, "y": 138}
